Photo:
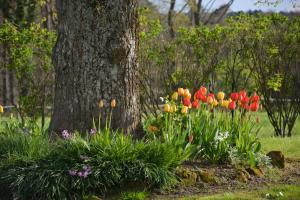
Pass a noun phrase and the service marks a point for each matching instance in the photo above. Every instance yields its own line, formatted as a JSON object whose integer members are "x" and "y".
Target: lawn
{"x": 280, "y": 192}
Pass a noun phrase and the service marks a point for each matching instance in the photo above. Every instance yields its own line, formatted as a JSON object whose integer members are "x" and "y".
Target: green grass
{"x": 288, "y": 146}
{"x": 290, "y": 192}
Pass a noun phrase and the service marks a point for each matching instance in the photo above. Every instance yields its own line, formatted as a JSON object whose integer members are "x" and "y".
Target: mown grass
{"x": 289, "y": 192}
{"x": 289, "y": 146}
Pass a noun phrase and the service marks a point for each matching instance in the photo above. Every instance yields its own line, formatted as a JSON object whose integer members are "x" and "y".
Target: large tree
{"x": 95, "y": 58}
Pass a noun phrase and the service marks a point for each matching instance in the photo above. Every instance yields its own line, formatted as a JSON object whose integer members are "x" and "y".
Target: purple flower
{"x": 66, "y": 135}
{"x": 87, "y": 168}
{"x": 72, "y": 172}
{"x": 83, "y": 174}
{"x": 93, "y": 131}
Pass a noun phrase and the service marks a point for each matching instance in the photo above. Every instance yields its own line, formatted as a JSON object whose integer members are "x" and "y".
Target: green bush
{"x": 79, "y": 166}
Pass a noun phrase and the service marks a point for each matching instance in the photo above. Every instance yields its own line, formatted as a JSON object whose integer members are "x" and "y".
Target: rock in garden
{"x": 277, "y": 158}
{"x": 187, "y": 176}
{"x": 255, "y": 171}
{"x": 207, "y": 176}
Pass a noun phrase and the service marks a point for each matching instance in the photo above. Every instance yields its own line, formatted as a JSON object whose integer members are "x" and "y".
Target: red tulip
{"x": 244, "y": 106}
{"x": 195, "y": 104}
{"x": 245, "y": 100}
{"x": 203, "y": 90}
{"x": 186, "y": 101}
{"x": 242, "y": 94}
{"x": 211, "y": 95}
{"x": 198, "y": 95}
{"x": 254, "y": 107}
{"x": 232, "y": 105}
{"x": 234, "y": 96}
{"x": 255, "y": 97}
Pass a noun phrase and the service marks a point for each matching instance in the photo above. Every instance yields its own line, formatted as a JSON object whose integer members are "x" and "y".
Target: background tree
{"x": 95, "y": 58}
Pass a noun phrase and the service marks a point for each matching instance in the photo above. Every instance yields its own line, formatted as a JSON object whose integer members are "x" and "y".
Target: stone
{"x": 277, "y": 159}
{"x": 208, "y": 176}
{"x": 255, "y": 171}
{"x": 187, "y": 176}
{"x": 243, "y": 175}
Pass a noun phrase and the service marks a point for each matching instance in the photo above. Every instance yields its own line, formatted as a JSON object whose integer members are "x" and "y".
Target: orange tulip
{"x": 180, "y": 91}
{"x": 210, "y": 99}
{"x": 113, "y": 103}
{"x": 203, "y": 90}
{"x": 186, "y": 93}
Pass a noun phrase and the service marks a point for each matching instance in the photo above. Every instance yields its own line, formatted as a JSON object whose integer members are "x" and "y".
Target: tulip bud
{"x": 184, "y": 110}
{"x": 221, "y": 95}
{"x": 242, "y": 94}
{"x": 232, "y": 105}
{"x": 255, "y": 97}
{"x": 167, "y": 107}
{"x": 175, "y": 96}
{"x": 195, "y": 104}
{"x": 210, "y": 100}
{"x": 186, "y": 101}
{"x": 101, "y": 104}
{"x": 186, "y": 93}
{"x": 180, "y": 91}
{"x": 234, "y": 96}
{"x": 254, "y": 106}
{"x": 173, "y": 108}
{"x": 1, "y": 109}
{"x": 215, "y": 103}
{"x": 203, "y": 90}
{"x": 113, "y": 103}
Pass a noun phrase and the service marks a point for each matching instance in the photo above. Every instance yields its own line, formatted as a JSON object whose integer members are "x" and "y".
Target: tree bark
{"x": 95, "y": 58}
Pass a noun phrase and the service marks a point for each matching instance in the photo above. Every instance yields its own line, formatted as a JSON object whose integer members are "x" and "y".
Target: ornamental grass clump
{"x": 73, "y": 166}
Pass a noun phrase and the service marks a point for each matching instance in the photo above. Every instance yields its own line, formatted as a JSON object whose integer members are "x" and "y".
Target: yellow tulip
{"x": 1, "y": 109}
{"x": 113, "y": 103}
{"x": 167, "y": 107}
{"x": 225, "y": 103}
{"x": 175, "y": 96}
{"x": 101, "y": 104}
{"x": 215, "y": 103}
{"x": 184, "y": 110}
{"x": 180, "y": 91}
{"x": 221, "y": 95}
{"x": 173, "y": 109}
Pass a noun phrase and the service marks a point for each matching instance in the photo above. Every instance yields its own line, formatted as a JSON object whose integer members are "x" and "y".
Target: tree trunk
{"x": 95, "y": 58}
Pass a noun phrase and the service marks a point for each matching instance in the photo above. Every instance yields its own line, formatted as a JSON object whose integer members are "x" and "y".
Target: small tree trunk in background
{"x": 95, "y": 58}
{"x": 171, "y": 18}
{"x": 48, "y": 12}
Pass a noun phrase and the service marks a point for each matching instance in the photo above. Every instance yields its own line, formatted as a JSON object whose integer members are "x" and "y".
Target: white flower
{"x": 280, "y": 194}
{"x": 162, "y": 99}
